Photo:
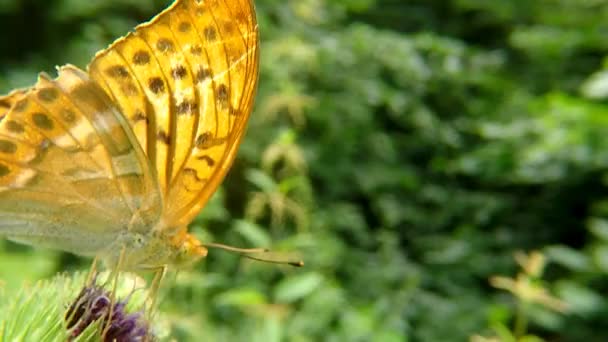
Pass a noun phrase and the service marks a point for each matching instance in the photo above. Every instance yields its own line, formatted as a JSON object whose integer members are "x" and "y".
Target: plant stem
{"x": 521, "y": 320}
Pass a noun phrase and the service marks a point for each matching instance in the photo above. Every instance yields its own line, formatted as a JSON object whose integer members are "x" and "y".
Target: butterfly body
{"x": 115, "y": 161}
{"x": 154, "y": 250}
{"x": 133, "y": 251}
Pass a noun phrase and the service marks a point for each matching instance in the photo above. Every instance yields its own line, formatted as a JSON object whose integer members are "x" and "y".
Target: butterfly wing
{"x": 71, "y": 173}
{"x": 186, "y": 82}
{"x": 7, "y": 101}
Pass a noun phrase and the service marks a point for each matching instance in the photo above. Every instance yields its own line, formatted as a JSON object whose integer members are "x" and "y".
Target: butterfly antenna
{"x": 235, "y": 249}
{"x": 298, "y": 263}
{"x": 246, "y": 252}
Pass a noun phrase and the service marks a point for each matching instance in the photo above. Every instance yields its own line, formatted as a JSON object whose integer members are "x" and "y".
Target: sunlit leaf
{"x": 297, "y": 287}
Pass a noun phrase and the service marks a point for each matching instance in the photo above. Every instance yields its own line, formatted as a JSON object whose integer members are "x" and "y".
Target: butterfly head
{"x": 187, "y": 250}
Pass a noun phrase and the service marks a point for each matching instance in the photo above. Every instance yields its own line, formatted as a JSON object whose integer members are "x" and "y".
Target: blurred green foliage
{"x": 405, "y": 149}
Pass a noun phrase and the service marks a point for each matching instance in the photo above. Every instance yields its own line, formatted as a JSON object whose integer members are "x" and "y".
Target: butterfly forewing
{"x": 186, "y": 82}
{"x": 71, "y": 173}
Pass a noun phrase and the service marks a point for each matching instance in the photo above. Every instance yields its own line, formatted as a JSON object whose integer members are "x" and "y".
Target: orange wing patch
{"x": 186, "y": 81}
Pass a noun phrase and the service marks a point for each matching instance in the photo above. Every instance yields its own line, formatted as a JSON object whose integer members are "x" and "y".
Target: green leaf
{"x": 260, "y": 179}
{"x": 599, "y": 228}
{"x": 600, "y": 257}
{"x": 568, "y": 257}
{"x": 242, "y": 298}
{"x": 253, "y": 233}
{"x": 580, "y": 300}
{"x": 297, "y": 287}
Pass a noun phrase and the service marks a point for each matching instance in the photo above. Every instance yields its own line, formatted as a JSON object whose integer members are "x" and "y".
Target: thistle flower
{"x": 94, "y": 304}
{"x": 60, "y": 309}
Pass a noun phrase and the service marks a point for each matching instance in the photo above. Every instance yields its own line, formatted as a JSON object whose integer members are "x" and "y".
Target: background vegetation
{"x": 407, "y": 149}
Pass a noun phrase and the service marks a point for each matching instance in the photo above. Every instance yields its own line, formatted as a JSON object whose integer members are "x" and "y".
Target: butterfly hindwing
{"x": 71, "y": 173}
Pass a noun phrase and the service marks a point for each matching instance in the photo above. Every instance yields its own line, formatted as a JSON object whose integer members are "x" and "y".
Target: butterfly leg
{"x": 159, "y": 275}
{"x": 92, "y": 275}
{"x": 114, "y": 278}
{"x": 72, "y": 311}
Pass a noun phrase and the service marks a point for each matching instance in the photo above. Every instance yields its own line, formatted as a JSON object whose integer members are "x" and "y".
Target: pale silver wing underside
{"x": 72, "y": 175}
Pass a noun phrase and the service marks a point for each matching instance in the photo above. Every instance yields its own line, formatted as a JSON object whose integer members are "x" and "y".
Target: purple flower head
{"x": 93, "y": 304}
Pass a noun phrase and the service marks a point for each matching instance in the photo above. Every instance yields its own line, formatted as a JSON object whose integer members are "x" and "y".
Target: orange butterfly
{"x": 115, "y": 162}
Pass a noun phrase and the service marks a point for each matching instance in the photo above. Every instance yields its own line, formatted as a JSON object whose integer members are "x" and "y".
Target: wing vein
{"x": 101, "y": 140}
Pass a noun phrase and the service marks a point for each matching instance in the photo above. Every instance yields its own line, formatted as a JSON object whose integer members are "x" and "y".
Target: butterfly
{"x": 114, "y": 162}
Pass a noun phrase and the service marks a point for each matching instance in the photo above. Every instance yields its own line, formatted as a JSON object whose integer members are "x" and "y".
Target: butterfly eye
{"x": 139, "y": 240}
